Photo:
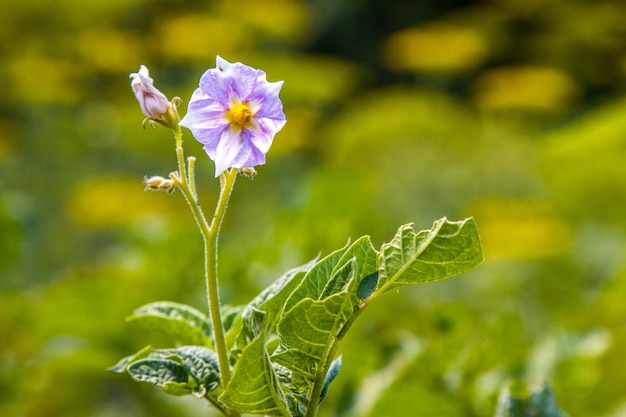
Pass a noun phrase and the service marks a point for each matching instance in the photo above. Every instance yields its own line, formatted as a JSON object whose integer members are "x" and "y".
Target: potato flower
{"x": 235, "y": 114}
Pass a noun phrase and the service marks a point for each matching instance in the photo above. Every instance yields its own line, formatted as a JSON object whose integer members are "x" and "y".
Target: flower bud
{"x": 154, "y": 104}
{"x": 249, "y": 173}
{"x": 157, "y": 183}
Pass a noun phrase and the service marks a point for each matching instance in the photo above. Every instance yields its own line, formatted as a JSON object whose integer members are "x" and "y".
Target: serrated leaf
{"x": 365, "y": 258}
{"x": 446, "y": 250}
{"x": 254, "y": 387}
{"x": 161, "y": 372}
{"x": 331, "y": 295}
{"x": 538, "y": 402}
{"x": 332, "y": 275}
{"x": 181, "y": 322}
{"x": 316, "y": 279}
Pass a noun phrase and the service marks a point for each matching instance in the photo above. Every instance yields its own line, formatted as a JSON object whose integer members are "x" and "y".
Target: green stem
{"x": 227, "y": 182}
{"x": 210, "y": 235}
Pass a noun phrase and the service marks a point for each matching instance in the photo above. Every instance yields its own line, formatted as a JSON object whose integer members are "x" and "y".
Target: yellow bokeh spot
{"x": 521, "y": 229}
{"x": 287, "y": 19}
{"x": 528, "y": 87}
{"x": 196, "y": 37}
{"x": 121, "y": 48}
{"x": 114, "y": 202}
{"x": 55, "y": 80}
{"x": 435, "y": 47}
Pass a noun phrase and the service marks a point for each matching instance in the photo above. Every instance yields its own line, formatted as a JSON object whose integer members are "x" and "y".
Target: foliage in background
{"x": 511, "y": 111}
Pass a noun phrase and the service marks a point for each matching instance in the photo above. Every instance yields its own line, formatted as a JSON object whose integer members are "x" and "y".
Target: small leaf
{"x": 254, "y": 387}
{"x": 179, "y": 321}
{"x": 200, "y": 362}
{"x": 446, "y": 250}
{"x": 160, "y": 372}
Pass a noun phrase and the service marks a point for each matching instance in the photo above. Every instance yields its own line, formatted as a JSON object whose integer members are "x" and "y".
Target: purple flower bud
{"x": 153, "y": 103}
{"x": 235, "y": 114}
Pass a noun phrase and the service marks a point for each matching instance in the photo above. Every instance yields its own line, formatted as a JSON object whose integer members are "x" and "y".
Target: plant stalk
{"x": 210, "y": 235}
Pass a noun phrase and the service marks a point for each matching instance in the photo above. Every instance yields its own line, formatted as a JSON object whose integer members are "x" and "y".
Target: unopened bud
{"x": 249, "y": 173}
{"x": 154, "y": 104}
{"x": 156, "y": 183}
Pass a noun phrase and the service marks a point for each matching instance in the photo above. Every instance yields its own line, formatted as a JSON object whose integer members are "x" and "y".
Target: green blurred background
{"x": 511, "y": 111}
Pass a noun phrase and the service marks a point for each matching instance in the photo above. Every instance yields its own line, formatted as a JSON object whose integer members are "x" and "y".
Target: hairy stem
{"x": 227, "y": 182}
{"x": 185, "y": 180}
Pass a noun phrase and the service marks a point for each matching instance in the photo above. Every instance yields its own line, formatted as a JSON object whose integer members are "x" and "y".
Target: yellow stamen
{"x": 240, "y": 114}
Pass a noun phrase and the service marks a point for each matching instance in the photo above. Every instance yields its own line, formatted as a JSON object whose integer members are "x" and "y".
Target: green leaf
{"x": 171, "y": 369}
{"x": 332, "y": 275}
{"x": 316, "y": 279}
{"x": 303, "y": 367}
{"x": 200, "y": 362}
{"x": 308, "y": 333}
{"x": 254, "y": 387}
{"x": 331, "y": 295}
{"x": 446, "y": 250}
{"x": 365, "y": 256}
{"x": 265, "y": 308}
{"x": 163, "y": 373}
{"x": 181, "y": 322}
{"x": 517, "y": 401}
{"x": 283, "y": 286}
{"x": 310, "y": 327}
{"x": 360, "y": 256}
{"x": 122, "y": 364}
{"x": 274, "y": 300}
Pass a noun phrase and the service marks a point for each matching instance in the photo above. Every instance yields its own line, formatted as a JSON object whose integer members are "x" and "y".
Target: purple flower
{"x": 154, "y": 104}
{"x": 235, "y": 114}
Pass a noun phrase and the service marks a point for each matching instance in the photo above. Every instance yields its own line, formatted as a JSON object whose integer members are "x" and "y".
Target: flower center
{"x": 240, "y": 114}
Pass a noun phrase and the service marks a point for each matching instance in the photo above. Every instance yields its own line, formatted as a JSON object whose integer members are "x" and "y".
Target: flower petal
{"x": 230, "y": 142}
